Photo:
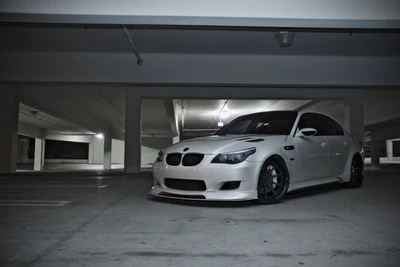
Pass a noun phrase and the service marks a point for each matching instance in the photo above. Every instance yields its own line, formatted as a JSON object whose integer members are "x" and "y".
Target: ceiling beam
{"x": 355, "y": 14}
{"x": 172, "y": 69}
{"x": 222, "y": 22}
{"x": 29, "y": 130}
{"x": 54, "y": 104}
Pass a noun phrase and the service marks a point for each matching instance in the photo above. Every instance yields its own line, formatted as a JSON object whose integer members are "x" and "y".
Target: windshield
{"x": 273, "y": 122}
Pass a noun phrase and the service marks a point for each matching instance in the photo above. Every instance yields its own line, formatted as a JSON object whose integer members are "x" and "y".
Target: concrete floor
{"x": 111, "y": 221}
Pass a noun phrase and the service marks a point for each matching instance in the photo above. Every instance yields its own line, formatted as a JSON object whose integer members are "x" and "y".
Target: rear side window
{"x": 329, "y": 127}
{"x": 309, "y": 120}
{"x": 339, "y": 129}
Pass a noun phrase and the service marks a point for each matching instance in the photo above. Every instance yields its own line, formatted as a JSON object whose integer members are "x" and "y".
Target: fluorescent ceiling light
{"x": 220, "y": 124}
{"x": 100, "y": 135}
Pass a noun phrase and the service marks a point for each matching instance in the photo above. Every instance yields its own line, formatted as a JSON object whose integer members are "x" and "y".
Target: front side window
{"x": 273, "y": 122}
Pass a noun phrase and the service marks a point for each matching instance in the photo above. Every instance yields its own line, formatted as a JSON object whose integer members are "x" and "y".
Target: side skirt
{"x": 310, "y": 183}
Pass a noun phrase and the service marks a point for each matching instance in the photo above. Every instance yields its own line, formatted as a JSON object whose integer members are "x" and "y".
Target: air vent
{"x": 174, "y": 159}
{"x": 230, "y": 185}
{"x": 182, "y": 196}
{"x": 184, "y": 184}
{"x": 192, "y": 159}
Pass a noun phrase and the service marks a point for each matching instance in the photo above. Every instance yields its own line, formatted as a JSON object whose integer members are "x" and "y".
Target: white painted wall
{"x": 149, "y": 155}
{"x": 117, "y": 151}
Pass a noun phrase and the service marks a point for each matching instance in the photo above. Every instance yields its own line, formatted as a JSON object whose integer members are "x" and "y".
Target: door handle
{"x": 323, "y": 145}
{"x": 345, "y": 143}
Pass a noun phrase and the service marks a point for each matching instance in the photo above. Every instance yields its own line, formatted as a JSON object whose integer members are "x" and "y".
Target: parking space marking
{"x": 41, "y": 203}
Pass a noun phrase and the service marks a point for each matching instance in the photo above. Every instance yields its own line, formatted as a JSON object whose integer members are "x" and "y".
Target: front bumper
{"x": 214, "y": 176}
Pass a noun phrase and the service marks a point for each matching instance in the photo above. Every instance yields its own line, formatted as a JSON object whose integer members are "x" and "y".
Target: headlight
{"x": 234, "y": 157}
{"x": 160, "y": 156}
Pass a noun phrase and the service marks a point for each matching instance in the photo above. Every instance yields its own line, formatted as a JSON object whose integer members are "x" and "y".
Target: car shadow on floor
{"x": 313, "y": 191}
{"x": 301, "y": 193}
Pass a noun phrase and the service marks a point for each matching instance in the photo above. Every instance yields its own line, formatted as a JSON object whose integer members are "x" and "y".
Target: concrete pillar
{"x": 354, "y": 115}
{"x": 39, "y": 151}
{"x": 133, "y": 129}
{"x": 389, "y": 150}
{"x": 39, "y": 154}
{"x": 107, "y": 153}
{"x": 375, "y": 159}
{"x": 91, "y": 151}
{"x": 9, "y": 111}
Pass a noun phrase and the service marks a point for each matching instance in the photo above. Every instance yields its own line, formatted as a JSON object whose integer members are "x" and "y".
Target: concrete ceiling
{"x": 187, "y": 41}
{"x": 88, "y": 109}
{"x": 39, "y": 119}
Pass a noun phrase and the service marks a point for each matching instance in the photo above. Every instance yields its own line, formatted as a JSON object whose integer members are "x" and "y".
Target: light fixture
{"x": 220, "y": 123}
{"x": 100, "y": 135}
{"x": 285, "y": 38}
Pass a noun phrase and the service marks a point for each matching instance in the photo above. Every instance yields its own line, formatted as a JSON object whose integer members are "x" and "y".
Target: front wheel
{"x": 273, "y": 182}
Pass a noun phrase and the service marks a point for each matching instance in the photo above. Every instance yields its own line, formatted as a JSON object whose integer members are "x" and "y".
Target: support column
{"x": 389, "y": 150}
{"x": 133, "y": 129}
{"x": 107, "y": 153}
{"x": 9, "y": 111}
{"x": 375, "y": 157}
{"x": 39, "y": 151}
{"x": 91, "y": 151}
{"x": 39, "y": 155}
{"x": 354, "y": 115}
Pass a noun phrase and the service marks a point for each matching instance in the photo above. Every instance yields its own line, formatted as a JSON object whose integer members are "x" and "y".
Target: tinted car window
{"x": 329, "y": 126}
{"x": 309, "y": 120}
{"x": 240, "y": 127}
{"x": 273, "y": 122}
{"x": 339, "y": 128}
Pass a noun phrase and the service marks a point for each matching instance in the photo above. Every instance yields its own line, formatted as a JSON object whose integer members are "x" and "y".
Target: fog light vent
{"x": 230, "y": 185}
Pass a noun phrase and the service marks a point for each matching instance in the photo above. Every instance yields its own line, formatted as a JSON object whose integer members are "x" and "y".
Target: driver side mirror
{"x": 306, "y": 132}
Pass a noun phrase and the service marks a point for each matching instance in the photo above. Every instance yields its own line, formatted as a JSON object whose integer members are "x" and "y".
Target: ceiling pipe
{"x": 134, "y": 48}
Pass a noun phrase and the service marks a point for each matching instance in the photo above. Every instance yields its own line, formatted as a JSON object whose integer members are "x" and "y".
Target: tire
{"x": 273, "y": 181}
{"x": 356, "y": 173}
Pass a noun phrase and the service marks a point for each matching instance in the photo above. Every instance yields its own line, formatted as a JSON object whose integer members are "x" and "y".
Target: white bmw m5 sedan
{"x": 260, "y": 156}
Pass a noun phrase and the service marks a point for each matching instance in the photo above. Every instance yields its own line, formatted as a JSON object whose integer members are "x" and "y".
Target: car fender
{"x": 265, "y": 152}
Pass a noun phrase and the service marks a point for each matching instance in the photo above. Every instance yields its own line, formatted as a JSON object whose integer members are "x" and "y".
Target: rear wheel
{"x": 273, "y": 181}
{"x": 356, "y": 173}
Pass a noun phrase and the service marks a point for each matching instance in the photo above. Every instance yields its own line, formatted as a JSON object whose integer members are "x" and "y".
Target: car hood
{"x": 221, "y": 144}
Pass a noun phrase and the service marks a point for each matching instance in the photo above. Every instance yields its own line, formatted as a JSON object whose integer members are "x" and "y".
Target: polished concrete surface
{"x": 94, "y": 219}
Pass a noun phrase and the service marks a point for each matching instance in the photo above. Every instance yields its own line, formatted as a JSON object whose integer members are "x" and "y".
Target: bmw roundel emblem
{"x": 186, "y": 149}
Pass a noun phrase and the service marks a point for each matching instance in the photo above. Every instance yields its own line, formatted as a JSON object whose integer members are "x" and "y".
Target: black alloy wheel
{"x": 273, "y": 182}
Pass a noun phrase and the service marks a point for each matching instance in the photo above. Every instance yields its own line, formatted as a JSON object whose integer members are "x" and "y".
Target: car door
{"x": 337, "y": 142}
{"x": 312, "y": 151}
